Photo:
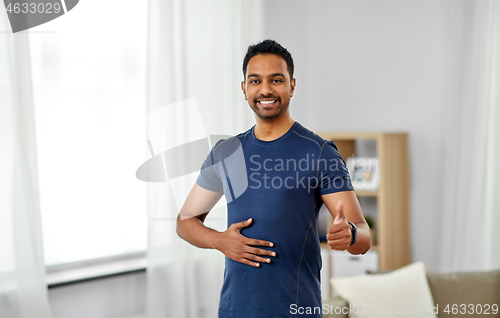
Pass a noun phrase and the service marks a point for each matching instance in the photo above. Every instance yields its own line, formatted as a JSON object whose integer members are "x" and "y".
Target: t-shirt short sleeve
{"x": 209, "y": 178}
{"x": 332, "y": 170}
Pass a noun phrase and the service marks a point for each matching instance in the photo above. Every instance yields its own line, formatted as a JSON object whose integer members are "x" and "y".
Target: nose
{"x": 266, "y": 89}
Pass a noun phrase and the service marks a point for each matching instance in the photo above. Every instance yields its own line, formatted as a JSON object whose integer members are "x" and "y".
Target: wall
{"x": 360, "y": 66}
{"x": 373, "y": 66}
{"x": 121, "y": 296}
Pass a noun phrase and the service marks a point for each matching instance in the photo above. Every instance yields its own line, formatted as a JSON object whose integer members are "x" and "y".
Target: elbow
{"x": 368, "y": 244}
{"x": 367, "y": 247}
{"x": 178, "y": 227}
{"x": 362, "y": 249}
{"x": 177, "y": 230}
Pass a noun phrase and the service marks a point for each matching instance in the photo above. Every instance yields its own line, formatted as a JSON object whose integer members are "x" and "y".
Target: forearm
{"x": 193, "y": 231}
{"x": 363, "y": 240}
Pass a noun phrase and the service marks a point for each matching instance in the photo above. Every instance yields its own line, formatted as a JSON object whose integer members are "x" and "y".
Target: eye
{"x": 253, "y": 81}
{"x": 277, "y": 80}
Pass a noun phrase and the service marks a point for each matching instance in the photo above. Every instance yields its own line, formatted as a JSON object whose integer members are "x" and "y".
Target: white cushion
{"x": 403, "y": 292}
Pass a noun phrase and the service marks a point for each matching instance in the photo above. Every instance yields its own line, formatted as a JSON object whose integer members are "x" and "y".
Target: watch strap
{"x": 354, "y": 231}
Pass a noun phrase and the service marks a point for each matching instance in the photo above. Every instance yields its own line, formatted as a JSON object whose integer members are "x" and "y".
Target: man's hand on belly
{"x": 240, "y": 248}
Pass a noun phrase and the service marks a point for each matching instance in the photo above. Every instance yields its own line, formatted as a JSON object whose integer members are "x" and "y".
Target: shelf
{"x": 357, "y": 135}
{"x": 349, "y": 135}
{"x": 392, "y": 196}
{"x": 374, "y": 248}
{"x": 367, "y": 193}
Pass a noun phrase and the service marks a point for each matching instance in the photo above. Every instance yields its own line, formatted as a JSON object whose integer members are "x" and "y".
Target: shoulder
{"x": 311, "y": 137}
{"x": 224, "y": 145}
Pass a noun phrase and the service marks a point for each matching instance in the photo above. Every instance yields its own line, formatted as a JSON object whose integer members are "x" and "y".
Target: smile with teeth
{"x": 267, "y": 102}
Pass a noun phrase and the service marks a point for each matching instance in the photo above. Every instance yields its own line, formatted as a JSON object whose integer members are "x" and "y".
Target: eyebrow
{"x": 272, "y": 75}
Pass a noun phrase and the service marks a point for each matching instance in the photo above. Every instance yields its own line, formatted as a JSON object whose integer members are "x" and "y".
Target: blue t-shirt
{"x": 278, "y": 184}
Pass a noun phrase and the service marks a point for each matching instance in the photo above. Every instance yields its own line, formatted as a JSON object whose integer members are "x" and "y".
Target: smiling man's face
{"x": 268, "y": 87}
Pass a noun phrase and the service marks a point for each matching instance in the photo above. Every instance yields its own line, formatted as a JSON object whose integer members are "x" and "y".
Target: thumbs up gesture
{"x": 339, "y": 233}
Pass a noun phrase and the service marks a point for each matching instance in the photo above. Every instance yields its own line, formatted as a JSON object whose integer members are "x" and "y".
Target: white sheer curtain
{"x": 23, "y": 291}
{"x": 195, "y": 54}
{"x": 471, "y": 179}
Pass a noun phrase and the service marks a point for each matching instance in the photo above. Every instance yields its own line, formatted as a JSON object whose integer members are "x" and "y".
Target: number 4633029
{"x": 34, "y": 8}
{"x": 471, "y": 309}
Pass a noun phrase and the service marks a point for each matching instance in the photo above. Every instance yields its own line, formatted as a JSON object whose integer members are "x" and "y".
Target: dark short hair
{"x": 268, "y": 47}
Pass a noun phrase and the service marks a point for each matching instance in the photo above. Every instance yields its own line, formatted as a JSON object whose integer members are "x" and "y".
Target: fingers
{"x": 338, "y": 227}
{"x": 339, "y": 238}
{"x": 253, "y": 258}
{"x": 258, "y": 251}
{"x": 256, "y": 242}
{"x": 242, "y": 249}
{"x": 256, "y": 260}
{"x": 243, "y": 224}
{"x": 248, "y": 262}
{"x": 340, "y": 206}
{"x": 338, "y": 245}
{"x": 238, "y": 226}
{"x": 340, "y": 217}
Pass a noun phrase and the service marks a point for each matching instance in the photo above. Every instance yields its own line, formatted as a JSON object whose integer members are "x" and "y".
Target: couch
{"x": 480, "y": 289}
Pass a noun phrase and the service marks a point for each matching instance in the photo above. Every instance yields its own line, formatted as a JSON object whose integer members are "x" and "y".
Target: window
{"x": 89, "y": 82}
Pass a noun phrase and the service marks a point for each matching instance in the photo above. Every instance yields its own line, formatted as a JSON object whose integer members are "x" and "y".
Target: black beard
{"x": 282, "y": 109}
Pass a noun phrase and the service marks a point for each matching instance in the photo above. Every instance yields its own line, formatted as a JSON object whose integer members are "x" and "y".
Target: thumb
{"x": 340, "y": 217}
{"x": 238, "y": 226}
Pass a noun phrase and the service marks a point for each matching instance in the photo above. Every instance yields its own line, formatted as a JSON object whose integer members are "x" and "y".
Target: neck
{"x": 271, "y": 129}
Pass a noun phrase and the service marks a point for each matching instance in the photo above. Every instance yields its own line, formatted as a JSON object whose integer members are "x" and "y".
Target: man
{"x": 287, "y": 172}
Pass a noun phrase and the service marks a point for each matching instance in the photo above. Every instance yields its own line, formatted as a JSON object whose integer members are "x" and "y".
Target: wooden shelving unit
{"x": 392, "y": 196}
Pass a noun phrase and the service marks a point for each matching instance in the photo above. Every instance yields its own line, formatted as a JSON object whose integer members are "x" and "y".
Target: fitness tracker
{"x": 353, "y": 232}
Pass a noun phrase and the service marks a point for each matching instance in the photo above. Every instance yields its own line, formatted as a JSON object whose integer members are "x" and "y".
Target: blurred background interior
{"x": 81, "y": 236}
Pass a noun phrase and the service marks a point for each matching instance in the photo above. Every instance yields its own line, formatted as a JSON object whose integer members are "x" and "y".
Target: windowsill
{"x": 77, "y": 272}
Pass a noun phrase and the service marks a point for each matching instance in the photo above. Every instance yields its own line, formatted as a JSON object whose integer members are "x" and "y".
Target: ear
{"x": 292, "y": 86}
{"x": 243, "y": 88}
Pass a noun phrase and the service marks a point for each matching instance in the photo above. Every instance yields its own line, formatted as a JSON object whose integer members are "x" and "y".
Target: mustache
{"x": 256, "y": 99}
